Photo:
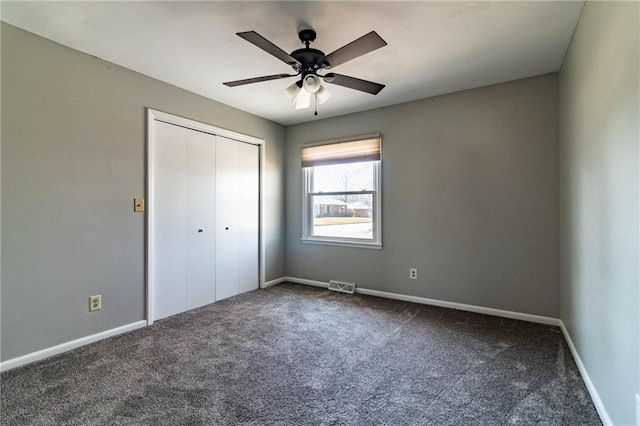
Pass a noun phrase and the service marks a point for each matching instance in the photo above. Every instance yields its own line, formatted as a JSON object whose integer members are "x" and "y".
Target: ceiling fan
{"x": 307, "y": 62}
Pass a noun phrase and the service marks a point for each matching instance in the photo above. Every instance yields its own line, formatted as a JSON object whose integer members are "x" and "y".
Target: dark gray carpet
{"x": 296, "y": 355}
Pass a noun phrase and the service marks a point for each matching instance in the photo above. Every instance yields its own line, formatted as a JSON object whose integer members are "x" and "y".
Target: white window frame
{"x": 307, "y": 204}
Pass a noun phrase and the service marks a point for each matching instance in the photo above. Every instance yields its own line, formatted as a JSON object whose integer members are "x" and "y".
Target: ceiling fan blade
{"x": 257, "y": 79}
{"x": 264, "y": 44}
{"x": 354, "y": 83}
{"x": 365, "y": 44}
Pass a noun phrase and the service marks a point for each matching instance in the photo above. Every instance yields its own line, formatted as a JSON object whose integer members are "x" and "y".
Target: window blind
{"x": 341, "y": 152}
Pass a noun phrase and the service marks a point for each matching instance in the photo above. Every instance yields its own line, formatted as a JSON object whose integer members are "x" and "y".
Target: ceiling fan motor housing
{"x": 311, "y": 59}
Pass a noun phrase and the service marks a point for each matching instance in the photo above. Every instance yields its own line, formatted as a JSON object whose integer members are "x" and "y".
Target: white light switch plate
{"x": 637, "y": 409}
{"x": 138, "y": 205}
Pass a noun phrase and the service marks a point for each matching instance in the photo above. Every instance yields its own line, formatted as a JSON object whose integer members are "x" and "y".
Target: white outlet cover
{"x": 637, "y": 409}
{"x": 95, "y": 303}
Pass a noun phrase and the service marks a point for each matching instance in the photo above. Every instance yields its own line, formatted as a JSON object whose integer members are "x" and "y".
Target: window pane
{"x": 345, "y": 216}
{"x": 343, "y": 177}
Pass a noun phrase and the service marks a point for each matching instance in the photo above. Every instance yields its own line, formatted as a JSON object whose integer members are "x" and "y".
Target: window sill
{"x": 342, "y": 243}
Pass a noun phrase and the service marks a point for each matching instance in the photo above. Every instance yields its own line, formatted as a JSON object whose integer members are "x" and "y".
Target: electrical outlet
{"x": 95, "y": 303}
{"x": 413, "y": 273}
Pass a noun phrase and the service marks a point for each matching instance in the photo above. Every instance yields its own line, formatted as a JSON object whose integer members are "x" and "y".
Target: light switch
{"x": 138, "y": 205}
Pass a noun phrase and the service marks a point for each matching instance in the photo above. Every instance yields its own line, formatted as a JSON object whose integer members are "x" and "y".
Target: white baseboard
{"x": 595, "y": 396}
{"x": 274, "y": 282}
{"x": 64, "y": 347}
{"x": 441, "y": 303}
{"x": 462, "y": 307}
{"x": 307, "y": 282}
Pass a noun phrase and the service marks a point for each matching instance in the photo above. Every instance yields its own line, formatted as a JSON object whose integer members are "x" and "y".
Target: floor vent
{"x": 342, "y": 286}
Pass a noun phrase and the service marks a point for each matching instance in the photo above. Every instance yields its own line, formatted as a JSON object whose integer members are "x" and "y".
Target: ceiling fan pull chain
{"x": 315, "y": 99}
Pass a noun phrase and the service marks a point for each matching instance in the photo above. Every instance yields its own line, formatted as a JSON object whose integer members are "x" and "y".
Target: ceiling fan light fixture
{"x": 322, "y": 95}
{"x": 292, "y": 91}
{"x": 328, "y": 77}
{"x": 311, "y": 83}
{"x": 302, "y": 100}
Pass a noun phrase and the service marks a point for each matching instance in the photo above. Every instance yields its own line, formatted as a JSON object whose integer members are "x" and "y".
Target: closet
{"x": 203, "y": 217}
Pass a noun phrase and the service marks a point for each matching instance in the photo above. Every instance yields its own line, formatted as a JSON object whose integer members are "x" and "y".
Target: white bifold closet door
{"x": 204, "y": 242}
{"x": 237, "y": 217}
{"x": 184, "y": 219}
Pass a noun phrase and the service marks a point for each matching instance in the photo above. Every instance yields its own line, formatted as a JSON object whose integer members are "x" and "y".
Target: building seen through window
{"x": 342, "y": 192}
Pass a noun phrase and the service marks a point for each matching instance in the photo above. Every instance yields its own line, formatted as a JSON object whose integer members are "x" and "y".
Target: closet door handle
{"x": 226, "y": 228}
{"x": 200, "y": 230}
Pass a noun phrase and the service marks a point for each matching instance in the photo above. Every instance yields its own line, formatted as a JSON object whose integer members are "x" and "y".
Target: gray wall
{"x": 470, "y": 198}
{"x": 599, "y": 137}
{"x": 73, "y": 157}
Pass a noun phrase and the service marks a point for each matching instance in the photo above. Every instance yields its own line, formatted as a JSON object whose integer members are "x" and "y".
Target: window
{"x": 342, "y": 193}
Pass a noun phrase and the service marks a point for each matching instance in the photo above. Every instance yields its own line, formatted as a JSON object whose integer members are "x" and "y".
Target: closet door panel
{"x": 248, "y": 216}
{"x": 200, "y": 225}
{"x": 226, "y": 218}
{"x": 204, "y": 200}
{"x": 169, "y": 211}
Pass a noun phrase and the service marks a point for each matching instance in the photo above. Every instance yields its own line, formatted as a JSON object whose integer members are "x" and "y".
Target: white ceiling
{"x": 433, "y": 47}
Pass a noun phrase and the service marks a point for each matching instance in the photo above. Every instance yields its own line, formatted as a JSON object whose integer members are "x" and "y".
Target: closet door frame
{"x": 152, "y": 117}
